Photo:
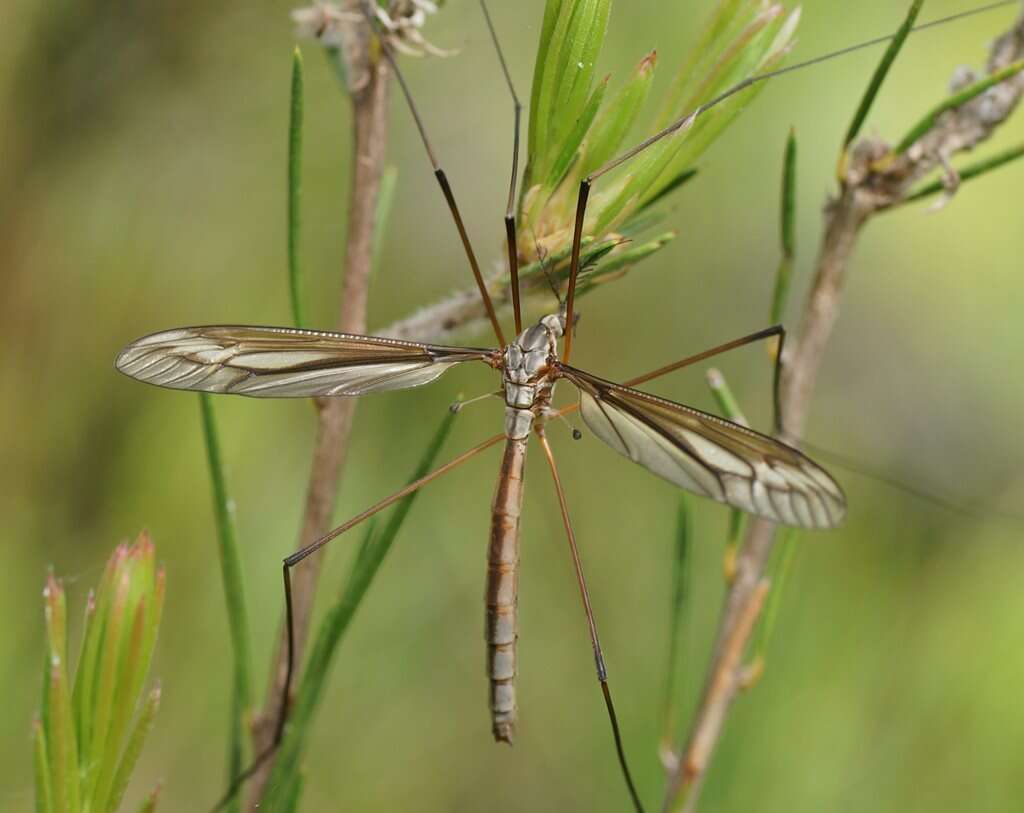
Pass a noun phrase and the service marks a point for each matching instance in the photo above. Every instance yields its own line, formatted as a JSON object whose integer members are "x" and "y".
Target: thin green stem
{"x": 927, "y": 122}
{"x": 888, "y": 58}
{"x": 234, "y": 592}
{"x": 779, "y": 575}
{"x": 295, "y": 190}
{"x": 788, "y": 231}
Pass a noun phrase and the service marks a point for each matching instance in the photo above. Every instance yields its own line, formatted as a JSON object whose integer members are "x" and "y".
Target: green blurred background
{"x": 142, "y": 182}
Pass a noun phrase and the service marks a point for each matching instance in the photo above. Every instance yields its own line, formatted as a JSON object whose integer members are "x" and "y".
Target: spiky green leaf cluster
{"x": 90, "y": 732}
{"x": 577, "y": 125}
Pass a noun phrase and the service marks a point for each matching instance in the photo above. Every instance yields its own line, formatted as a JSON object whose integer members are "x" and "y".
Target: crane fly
{"x": 694, "y": 450}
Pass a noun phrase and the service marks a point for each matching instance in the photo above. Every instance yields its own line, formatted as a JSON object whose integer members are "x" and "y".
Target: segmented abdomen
{"x": 501, "y": 625}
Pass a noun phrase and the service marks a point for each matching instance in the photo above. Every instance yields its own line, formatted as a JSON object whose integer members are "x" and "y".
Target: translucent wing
{"x": 277, "y": 362}
{"x": 710, "y": 456}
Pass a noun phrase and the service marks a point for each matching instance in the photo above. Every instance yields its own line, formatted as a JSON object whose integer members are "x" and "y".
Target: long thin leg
{"x": 298, "y": 556}
{"x": 767, "y": 333}
{"x": 574, "y": 267}
{"x": 442, "y": 180}
{"x": 602, "y": 671}
{"x": 510, "y": 209}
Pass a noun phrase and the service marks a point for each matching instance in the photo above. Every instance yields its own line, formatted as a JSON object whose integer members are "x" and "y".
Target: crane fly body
{"x": 694, "y": 450}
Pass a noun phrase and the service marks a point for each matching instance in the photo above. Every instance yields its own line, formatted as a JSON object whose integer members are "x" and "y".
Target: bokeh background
{"x": 142, "y": 187}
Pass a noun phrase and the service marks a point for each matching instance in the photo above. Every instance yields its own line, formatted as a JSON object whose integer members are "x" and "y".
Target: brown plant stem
{"x": 335, "y": 415}
{"x": 875, "y": 181}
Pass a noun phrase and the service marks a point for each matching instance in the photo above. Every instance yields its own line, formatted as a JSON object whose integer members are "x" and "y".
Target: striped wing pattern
{"x": 710, "y": 456}
{"x": 279, "y": 362}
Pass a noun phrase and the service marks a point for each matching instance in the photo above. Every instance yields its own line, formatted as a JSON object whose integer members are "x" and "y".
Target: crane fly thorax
{"x": 526, "y": 374}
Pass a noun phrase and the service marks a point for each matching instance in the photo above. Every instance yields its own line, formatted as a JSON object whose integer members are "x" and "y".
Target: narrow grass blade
{"x": 293, "y": 793}
{"x": 540, "y": 93}
{"x": 891, "y": 52}
{"x": 126, "y": 659}
{"x": 730, "y": 407}
{"x": 682, "y": 178}
{"x": 107, "y": 666}
{"x": 86, "y": 657}
{"x": 334, "y": 626}
{"x": 234, "y": 591}
{"x": 677, "y": 610}
{"x": 295, "y": 189}
{"x": 572, "y": 142}
{"x": 90, "y": 670}
{"x": 60, "y": 736}
{"x": 788, "y": 232}
{"x": 611, "y": 127}
{"x": 779, "y": 571}
{"x": 133, "y": 748}
{"x": 41, "y": 769}
{"x": 968, "y": 172}
{"x": 571, "y": 38}
{"x": 618, "y": 264}
{"x": 961, "y": 97}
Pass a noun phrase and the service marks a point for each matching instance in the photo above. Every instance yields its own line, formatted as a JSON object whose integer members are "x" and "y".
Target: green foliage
{"x": 787, "y": 229}
{"x": 85, "y": 742}
{"x": 955, "y": 100}
{"x": 295, "y": 189}
{"x": 888, "y": 58}
{"x": 574, "y": 132}
{"x": 234, "y": 592}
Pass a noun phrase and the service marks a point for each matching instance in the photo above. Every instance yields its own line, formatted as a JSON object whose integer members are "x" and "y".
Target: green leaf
{"x": 571, "y": 38}
{"x": 716, "y": 31}
{"x": 956, "y": 100}
{"x": 572, "y": 142}
{"x": 888, "y": 58}
{"x": 293, "y": 793}
{"x": 540, "y": 93}
{"x": 611, "y": 127}
{"x": 295, "y": 189}
{"x": 41, "y": 769}
{"x": 58, "y": 719}
{"x": 667, "y": 189}
{"x": 333, "y": 629}
{"x": 234, "y": 593}
{"x": 618, "y": 263}
{"x": 133, "y": 749}
{"x": 779, "y": 570}
{"x": 788, "y": 231}
{"x": 127, "y": 661}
